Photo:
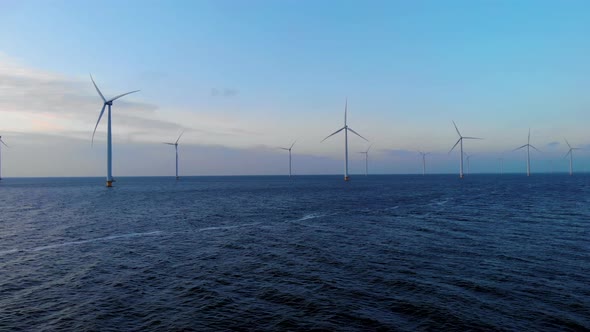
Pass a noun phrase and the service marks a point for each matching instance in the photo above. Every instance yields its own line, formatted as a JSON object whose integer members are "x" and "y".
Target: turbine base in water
{"x": 178, "y": 178}
{"x": 109, "y": 184}
{"x": 346, "y": 178}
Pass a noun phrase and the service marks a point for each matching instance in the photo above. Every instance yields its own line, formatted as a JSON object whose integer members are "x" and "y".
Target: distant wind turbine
{"x": 176, "y": 148}
{"x": 346, "y": 128}
{"x": 501, "y": 160}
{"x": 109, "y": 137}
{"x": 423, "y": 154}
{"x": 1, "y": 141}
{"x": 570, "y": 152}
{"x": 460, "y": 140}
{"x": 289, "y": 149}
{"x": 528, "y": 153}
{"x": 366, "y": 153}
{"x": 468, "y": 157}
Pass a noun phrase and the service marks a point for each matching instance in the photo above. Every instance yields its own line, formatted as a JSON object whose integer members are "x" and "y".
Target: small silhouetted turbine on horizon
{"x": 460, "y": 140}
{"x": 366, "y": 153}
{"x": 528, "y": 147}
{"x": 570, "y": 152}
{"x": 346, "y": 128}
{"x": 468, "y": 158}
{"x": 176, "y": 149}
{"x": 423, "y": 154}
{"x": 1, "y": 141}
{"x": 289, "y": 149}
{"x": 109, "y": 136}
{"x": 501, "y": 160}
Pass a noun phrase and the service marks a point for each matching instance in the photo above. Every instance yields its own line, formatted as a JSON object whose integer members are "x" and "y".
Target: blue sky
{"x": 247, "y": 76}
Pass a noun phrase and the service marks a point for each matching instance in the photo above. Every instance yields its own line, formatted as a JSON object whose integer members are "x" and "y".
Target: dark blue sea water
{"x": 384, "y": 253}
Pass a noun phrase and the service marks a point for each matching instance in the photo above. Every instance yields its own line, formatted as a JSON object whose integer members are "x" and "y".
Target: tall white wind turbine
{"x": 109, "y": 136}
{"x": 1, "y": 141}
{"x": 528, "y": 147}
{"x": 570, "y": 152}
{"x": 346, "y": 128}
{"x": 423, "y": 154}
{"x": 289, "y": 149}
{"x": 176, "y": 149}
{"x": 366, "y": 153}
{"x": 460, "y": 140}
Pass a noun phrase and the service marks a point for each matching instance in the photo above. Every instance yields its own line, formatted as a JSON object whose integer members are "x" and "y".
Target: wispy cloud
{"x": 225, "y": 92}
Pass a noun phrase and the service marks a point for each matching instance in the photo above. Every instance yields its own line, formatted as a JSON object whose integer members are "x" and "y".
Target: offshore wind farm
{"x": 258, "y": 221}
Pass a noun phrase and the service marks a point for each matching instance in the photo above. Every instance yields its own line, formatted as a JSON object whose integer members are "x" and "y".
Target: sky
{"x": 242, "y": 78}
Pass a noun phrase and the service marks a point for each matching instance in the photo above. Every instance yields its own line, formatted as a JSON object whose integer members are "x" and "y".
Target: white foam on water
{"x": 6, "y": 252}
{"x": 214, "y": 228}
{"x": 313, "y": 216}
{"x": 106, "y": 238}
{"x": 440, "y": 202}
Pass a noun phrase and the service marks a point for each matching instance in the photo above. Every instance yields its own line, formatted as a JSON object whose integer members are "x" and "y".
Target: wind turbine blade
{"x": 97, "y": 122}
{"x": 178, "y": 139}
{"x": 345, "y": 109}
{"x": 359, "y": 135}
{"x": 529, "y": 139}
{"x": 472, "y": 138}
{"x": 97, "y": 89}
{"x": 3, "y": 143}
{"x": 524, "y": 146}
{"x": 534, "y": 148}
{"x": 283, "y": 148}
{"x": 293, "y": 145}
{"x": 568, "y": 143}
{"x": 119, "y": 96}
{"x": 336, "y": 132}
{"x": 369, "y": 148}
{"x": 168, "y": 143}
{"x": 567, "y": 154}
{"x": 457, "y": 129}
{"x": 459, "y": 140}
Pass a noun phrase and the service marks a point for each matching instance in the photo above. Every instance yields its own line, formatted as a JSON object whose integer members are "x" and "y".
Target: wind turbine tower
{"x": 366, "y": 153}
{"x": 570, "y": 152}
{"x": 346, "y": 129}
{"x": 176, "y": 148}
{"x": 1, "y": 141}
{"x": 289, "y": 149}
{"x": 423, "y": 154}
{"x": 460, "y": 140}
{"x": 108, "y": 103}
{"x": 528, "y": 147}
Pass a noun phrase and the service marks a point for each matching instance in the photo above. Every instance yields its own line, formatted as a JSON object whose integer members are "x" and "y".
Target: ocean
{"x": 272, "y": 253}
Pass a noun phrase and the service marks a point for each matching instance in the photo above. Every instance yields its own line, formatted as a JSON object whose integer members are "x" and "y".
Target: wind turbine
{"x": 1, "y": 141}
{"x": 424, "y": 154}
{"x": 528, "y": 147}
{"x": 109, "y": 138}
{"x": 289, "y": 149}
{"x": 468, "y": 157}
{"x": 366, "y": 153}
{"x": 501, "y": 160}
{"x": 176, "y": 148}
{"x": 460, "y": 140}
{"x": 570, "y": 152}
{"x": 346, "y": 128}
